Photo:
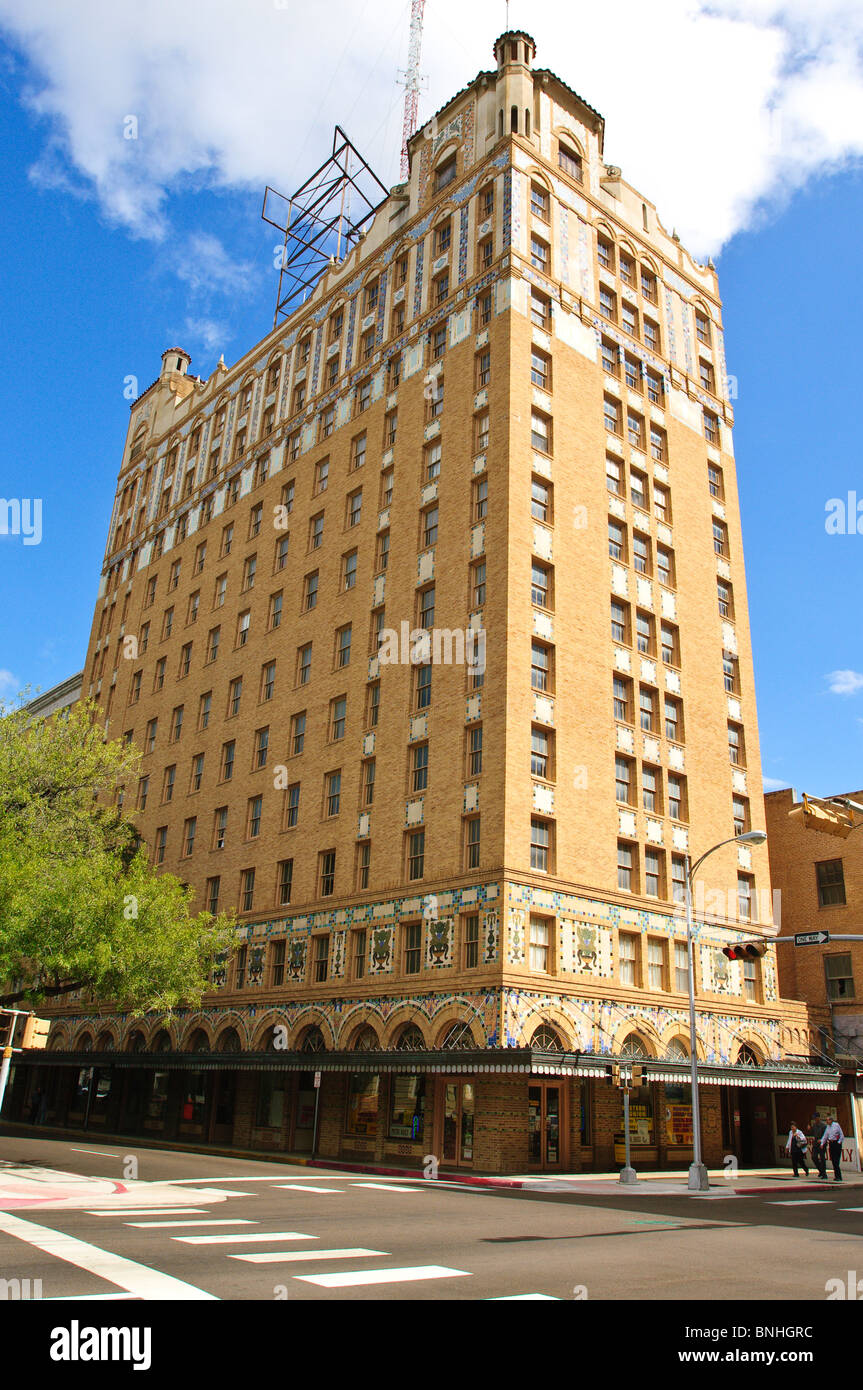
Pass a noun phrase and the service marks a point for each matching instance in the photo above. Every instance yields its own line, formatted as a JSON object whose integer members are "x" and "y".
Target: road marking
{"x": 254, "y": 1235}
{"x": 147, "y": 1211}
{"x": 801, "y": 1202}
{"x": 510, "y": 1297}
{"x": 100, "y": 1153}
{"x": 851, "y": 1208}
{"x": 126, "y": 1274}
{"x": 237, "y": 1221}
{"x": 386, "y": 1187}
{"x": 271, "y": 1257}
{"x": 291, "y": 1188}
{"x": 91, "y": 1297}
{"x": 407, "y": 1275}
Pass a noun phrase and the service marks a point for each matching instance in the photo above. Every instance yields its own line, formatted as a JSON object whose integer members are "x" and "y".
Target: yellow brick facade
{"x": 511, "y": 335}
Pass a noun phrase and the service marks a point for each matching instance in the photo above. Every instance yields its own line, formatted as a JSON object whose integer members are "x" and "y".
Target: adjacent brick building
{"x": 503, "y": 420}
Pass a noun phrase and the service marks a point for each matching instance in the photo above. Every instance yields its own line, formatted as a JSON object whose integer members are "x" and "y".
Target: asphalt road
{"x": 301, "y": 1233}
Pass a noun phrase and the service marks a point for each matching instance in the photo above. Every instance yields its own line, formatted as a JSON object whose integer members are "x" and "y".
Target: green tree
{"x": 80, "y": 904}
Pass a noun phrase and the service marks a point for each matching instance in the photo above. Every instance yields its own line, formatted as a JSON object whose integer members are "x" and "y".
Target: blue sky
{"x": 114, "y": 250}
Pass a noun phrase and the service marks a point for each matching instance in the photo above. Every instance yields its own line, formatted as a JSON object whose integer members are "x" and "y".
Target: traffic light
{"x": 7, "y": 1024}
{"x": 747, "y": 950}
{"x": 615, "y": 1075}
{"x": 36, "y": 1032}
{"x": 818, "y": 815}
{"x": 637, "y": 1076}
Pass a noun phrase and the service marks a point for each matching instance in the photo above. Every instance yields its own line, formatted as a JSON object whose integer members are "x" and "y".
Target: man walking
{"x": 832, "y": 1140}
{"x": 796, "y": 1147}
{"x": 818, "y": 1154}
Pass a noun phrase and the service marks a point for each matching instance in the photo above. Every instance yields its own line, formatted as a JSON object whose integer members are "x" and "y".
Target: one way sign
{"x": 811, "y": 938}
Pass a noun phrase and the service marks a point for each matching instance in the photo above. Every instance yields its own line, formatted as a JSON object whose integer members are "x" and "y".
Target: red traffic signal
{"x": 748, "y": 950}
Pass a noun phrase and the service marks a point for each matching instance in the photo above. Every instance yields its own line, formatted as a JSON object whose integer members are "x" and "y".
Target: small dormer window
{"x": 445, "y": 174}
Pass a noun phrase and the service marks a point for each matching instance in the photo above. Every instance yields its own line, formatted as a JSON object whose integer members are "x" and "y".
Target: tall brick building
{"x": 502, "y": 419}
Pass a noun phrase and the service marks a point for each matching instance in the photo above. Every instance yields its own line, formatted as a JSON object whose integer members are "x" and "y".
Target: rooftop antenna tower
{"x": 412, "y": 81}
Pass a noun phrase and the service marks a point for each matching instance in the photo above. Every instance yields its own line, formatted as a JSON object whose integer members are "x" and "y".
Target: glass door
{"x": 544, "y": 1125}
{"x": 458, "y": 1123}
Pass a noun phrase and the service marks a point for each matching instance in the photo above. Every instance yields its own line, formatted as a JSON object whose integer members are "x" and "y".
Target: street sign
{"x": 811, "y": 938}
{"x": 317, "y": 1079}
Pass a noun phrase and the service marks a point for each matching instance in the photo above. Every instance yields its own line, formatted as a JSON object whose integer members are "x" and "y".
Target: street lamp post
{"x": 698, "y": 1180}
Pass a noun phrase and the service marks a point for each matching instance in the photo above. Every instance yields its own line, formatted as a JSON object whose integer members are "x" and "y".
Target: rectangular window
{"x": 247, "y": 891}
{"x": 474, "y": 768}
{"x": 623, "y": 780}
{"x": 327, "y": 872}
{"x": 653, "y": 881}
{"x": 322, "y": 958}
{"x": 470, "y": 938}
{"x": 359, "y": 940}
{"x": 420, "y": 766}
{"x": 830, "y": 881}
{"x": 472, "y": 842}
{"x": 416, "y": 854}
{"x": 540, "y": 500}
{"x": 292, "y": 805}
{"x": 338, "y": 718}
{"x": 304, "y": 664}
{"x": 628, "y": 956}
{"x": 540, "y": 845}
{"x": 681, "y": 967}
{"x": 655, "y": 963}
{"x": 539, "y": 753}
{"x": 540, "y": 666}
{"x": 540, "y": 943}
{"x": 622, "y": 699}
{"x": 839, "y": 977}
{"x": 334, "y": 793}
{"x": 254, "y": 811}
{"x": 212, "y": 894}
{"x": 540, "y": 309}
{"x": 651, "y": 789}
{"x": 298, "y": 732}
{"x": 676, "y": 797}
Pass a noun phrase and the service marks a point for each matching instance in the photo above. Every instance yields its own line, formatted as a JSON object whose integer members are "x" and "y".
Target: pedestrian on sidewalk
{"x": 796, "y": 1147}
{"x": 818, "y": 1153}
{"x": 832, "y": 1140}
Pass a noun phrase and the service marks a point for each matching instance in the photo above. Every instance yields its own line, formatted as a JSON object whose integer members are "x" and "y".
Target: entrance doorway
{"x": 459, "y": 1105}
{"x": 545, "y": 1128}
{"x": 756, "y": 1126}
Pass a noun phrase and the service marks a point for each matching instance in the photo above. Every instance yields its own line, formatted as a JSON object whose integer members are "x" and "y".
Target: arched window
{"x": 527, "y": 122}
{"x": 162, "y": 1041}
{"x": 747, "y": 1057}
{"x": 513, "y": 119}
{"x": 545, "y": 1039}
{"x": 365, "y": 1040}
{"x": 313, "y": 1040}
{"x": 137, "y": 1042}
{"x": 677, "y": 1051}
{"x": 570, "y": 161}
{"x": 458, "y": 1038}
{"x": 199, "y": 1042}
{"x": 105, "y": 1042}
{"x": 85, "y": 1043}
{"x": 229, "y": 1041}
{"x": 411, "y": 1040}
{"x": 633, "y": 1046}
{"x": 500, "y": 122}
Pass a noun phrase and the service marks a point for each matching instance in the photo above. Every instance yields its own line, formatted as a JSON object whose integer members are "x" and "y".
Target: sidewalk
{"x": 672, "y": 1183}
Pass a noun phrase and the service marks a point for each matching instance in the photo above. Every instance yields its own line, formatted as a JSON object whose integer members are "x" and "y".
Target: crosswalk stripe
{"x": 292, "y": 1187}
{"x": 801, "y": 1202}
{"x": 148, "y": 1211}
{"x": 512, "y": 1297}
{"x": 386, "y": 1187}
{"x": 240, "y": 1236}
{"x": 271, "y": 1257}
{"x": 410, "y": 1274}
{"x": 114, "y": 1269}
{"x": 159, "y": 1225}
{"x": 851, "y": 1208}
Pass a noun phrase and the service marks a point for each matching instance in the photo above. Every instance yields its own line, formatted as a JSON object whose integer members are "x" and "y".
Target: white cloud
{"x": 845, "y": 682}
{"x": 774, "y": 784}
{"x": 209, "y": 333}
{"x": 9, "y": 684}
{"x": 717, "y": 111}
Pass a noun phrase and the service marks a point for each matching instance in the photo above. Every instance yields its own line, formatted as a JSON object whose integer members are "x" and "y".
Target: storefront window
{"x": 678, "y": 1116}
{"x": 362, "y": 1115}
{"x": 407, "y": 1107}
{"x": 271, "y": 1101}
{"x": 640, "y": 1115}
{"x": 194, "y": 1098}
{"x": 158, "y": 1096}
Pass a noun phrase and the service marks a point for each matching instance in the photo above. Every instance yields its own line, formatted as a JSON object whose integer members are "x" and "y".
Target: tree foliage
{"x": 80, "y": 904}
